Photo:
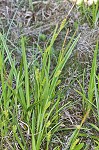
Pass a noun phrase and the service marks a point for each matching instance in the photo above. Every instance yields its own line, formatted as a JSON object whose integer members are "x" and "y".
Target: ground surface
{"x": 18, "y": 19}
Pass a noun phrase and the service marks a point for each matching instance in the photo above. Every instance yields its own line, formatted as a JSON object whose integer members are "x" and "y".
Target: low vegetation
{"x": 32, "y": 93}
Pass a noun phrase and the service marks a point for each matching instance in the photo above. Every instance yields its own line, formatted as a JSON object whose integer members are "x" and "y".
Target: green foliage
{"x": 76, "y": 146}
{"x": 42, "y": 37}
{"x": 35, "y": 92}
{"x": 88, "y": 102}
{"x": 90, "y": 13}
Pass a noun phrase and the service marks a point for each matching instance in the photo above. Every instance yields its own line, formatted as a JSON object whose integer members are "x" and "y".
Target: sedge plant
{"x": 30, "y": 99}
{"x": 88, "y": 104}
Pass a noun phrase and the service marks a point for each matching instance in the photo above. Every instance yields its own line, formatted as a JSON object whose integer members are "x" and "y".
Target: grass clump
{"x": 89, "y": 10}
{"x": 90, "y": 13}
{"x": 30, "y": 99}
{"x": 90, "y": 104}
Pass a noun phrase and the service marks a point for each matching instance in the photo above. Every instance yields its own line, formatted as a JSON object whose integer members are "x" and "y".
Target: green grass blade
{"x": 25, "y": 72}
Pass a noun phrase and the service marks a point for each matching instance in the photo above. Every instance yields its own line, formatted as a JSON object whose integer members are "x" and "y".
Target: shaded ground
{"x": 18, "y": 19}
